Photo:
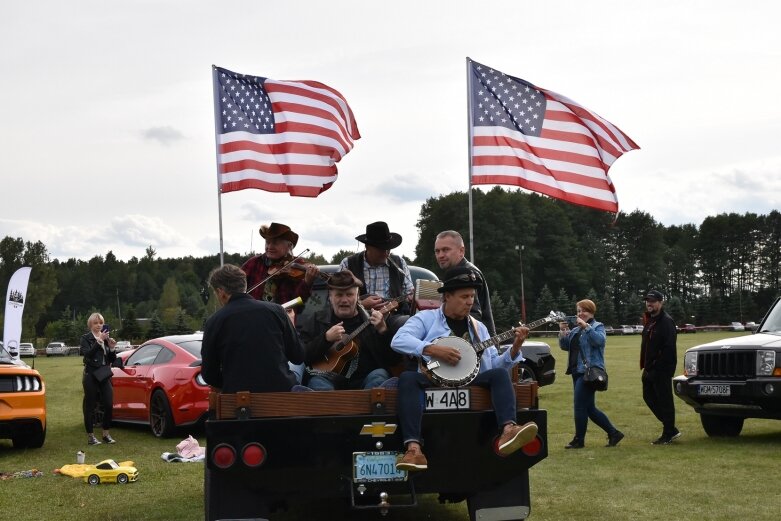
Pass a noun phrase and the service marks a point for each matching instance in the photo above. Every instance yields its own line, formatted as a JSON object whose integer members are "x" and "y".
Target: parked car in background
{"x": 161, "y": 384}
{"x": 22, "y": 403}
{"x": 735, "y": 378}
{"x": 122, "y": 345}
{"x": 687, "y": 328}
{"x": 538, "y": 362}
{"x": 56, "y": 349}
{"x": 628, "y": 330}
{"x": 638, "y": 329}
{"x": 26, "y": 350}
{"x": 610, "y": 331}
{"x": 751, "y": 326}
{"x": 736, "y": 326}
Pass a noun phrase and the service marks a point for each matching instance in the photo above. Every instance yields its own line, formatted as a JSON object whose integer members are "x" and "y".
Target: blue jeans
{"x": 411, "y": 397}
{"x": 586, "y": 408}
{"x": 372, "y": 380}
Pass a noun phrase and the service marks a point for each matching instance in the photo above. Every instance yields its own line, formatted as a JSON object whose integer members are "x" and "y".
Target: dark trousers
{"x": 93, "y": 388}
{"x": 586, "y": 408}
{"x": 411, "y": 399}
{"x": 658, "y": 396}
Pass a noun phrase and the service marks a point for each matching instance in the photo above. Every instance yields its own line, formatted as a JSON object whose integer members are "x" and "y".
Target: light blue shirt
{"x": 426, "y": 326}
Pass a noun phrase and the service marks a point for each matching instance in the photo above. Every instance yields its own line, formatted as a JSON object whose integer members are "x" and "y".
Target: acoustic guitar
{"x": 344, "y": 350}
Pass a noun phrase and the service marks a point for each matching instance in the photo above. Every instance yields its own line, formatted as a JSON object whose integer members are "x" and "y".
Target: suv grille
{"x": 727, "y": 364}
{"x": 19, "y": 384}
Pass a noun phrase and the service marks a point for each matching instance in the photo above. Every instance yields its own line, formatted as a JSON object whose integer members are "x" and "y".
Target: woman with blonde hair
{"x": 97, "y": 348}
{"x": 586, "y": 341}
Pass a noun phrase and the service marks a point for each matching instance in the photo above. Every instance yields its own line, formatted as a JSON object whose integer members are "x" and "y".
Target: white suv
{"x": 26, "y": 349}
{"x": 56, "y": 348}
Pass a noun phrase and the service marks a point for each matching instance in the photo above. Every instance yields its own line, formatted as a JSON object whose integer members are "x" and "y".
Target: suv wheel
{"x": 714, "y": 425}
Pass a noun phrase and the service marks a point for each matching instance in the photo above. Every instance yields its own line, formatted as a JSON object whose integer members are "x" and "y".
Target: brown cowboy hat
{"x": 460, "y": 277}
{"x": 344, "y": 280}
{"x": 378, "y": 235}
{"x": 279, "y": 231}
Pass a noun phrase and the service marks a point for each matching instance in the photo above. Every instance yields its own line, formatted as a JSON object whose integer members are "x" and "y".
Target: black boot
{"x": 576, "y": 443}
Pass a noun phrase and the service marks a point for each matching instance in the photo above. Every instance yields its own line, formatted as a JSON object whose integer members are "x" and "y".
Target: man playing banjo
{"x": 417, "y": 338}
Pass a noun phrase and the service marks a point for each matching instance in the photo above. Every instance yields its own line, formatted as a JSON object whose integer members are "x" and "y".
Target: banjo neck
{"x": 501, "y": 337}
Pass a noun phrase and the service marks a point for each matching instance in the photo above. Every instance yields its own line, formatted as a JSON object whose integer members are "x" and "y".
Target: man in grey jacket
{"x": 449, "y": 252}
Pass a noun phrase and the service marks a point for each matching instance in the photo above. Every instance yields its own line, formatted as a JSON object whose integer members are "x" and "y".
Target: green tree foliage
{"x": 341, "y": 254}
{"x": 182, "y": 325}
{"x": 156, "y": 327}
{"x": 130, "y": 329}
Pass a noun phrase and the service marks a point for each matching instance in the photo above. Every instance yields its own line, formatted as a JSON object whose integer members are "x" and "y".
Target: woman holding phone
{"x": 97, "y": 348}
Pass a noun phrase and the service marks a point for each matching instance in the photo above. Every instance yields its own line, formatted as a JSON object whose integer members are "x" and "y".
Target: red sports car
{"x": 161, "y": 384}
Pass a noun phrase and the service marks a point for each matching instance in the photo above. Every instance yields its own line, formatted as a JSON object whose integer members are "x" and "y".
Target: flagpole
{"x": 215, "y": 81}
{"x": 469, "y": 154}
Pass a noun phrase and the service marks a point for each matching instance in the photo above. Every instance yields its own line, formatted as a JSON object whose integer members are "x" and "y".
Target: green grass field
{"x": 696, "y": 478}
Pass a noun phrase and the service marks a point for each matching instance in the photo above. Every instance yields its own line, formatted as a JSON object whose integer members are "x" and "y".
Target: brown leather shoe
{"x": 515, "y": 437}
{"x": 412, "y": 461}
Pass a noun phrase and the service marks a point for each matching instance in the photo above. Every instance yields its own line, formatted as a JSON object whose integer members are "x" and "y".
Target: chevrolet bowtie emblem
{"x": 378, "y": 429}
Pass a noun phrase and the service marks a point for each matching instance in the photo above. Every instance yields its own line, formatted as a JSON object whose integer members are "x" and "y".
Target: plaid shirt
{"x": 377, "y": 278}
{"x": 278, "y": 289}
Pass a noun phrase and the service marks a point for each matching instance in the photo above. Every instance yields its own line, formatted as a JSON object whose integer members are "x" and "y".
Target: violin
{"x": 298, "y": 271}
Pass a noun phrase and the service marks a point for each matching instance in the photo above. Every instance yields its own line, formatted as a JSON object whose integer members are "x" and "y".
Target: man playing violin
{"x": 282, "y": 284}
{"x": 453, "y": 318}
{"x": 364, "y": 362}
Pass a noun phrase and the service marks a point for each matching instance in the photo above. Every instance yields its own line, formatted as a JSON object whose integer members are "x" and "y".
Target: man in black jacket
{"x": 658, "y": 357}
{"x": 362, "y": 363}
{"x": 247, "y": 343}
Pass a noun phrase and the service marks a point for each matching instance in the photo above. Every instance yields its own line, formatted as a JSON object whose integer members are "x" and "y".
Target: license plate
{"x": 376, "y": 466}
{"x": 713, "y": 390}
{"x": 447, "y": 399}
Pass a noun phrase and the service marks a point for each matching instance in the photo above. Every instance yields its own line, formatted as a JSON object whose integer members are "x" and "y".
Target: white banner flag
{"x": 14, "y": 306}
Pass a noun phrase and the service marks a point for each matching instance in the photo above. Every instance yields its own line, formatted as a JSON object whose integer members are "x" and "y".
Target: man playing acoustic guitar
{"x": 417, "y": 337}
{"x": 345, "y": 346}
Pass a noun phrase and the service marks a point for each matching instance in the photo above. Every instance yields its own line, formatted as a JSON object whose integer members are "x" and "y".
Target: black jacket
{"x": 481, "y": 308}
{"x": 374, "y": 349}
{"x": 93, "y": 354}
{"x": 658, "y": 353}
{"x": 247, "y": 345}
{"x": 396, "y": 282}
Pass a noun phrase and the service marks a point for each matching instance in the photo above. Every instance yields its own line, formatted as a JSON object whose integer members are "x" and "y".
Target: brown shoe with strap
{"x": 516, "y": 436}
{"x": 412, "y": 461}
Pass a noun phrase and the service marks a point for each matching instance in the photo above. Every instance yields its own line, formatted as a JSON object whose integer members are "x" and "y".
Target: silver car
{"x": 26, "y": 350}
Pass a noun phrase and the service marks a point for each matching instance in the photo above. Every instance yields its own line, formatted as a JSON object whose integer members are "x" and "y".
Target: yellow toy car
{"x": 107, "y": 471}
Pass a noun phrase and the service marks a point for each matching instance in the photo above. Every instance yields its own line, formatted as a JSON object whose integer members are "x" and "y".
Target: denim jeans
{"x": 373, "y": 379}
{"x": 586, "y": 408}
{"x": 411, "y": 397}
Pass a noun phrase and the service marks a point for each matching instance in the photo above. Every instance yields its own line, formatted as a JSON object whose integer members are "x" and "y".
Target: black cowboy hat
{"x": 344, "y": 280}
{"x": 279, "y": 231}
{"x": 460, "y": 277}
{"x": 378, "y": 235}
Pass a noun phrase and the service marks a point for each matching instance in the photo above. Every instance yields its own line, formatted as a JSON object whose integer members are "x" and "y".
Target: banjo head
{"x": 460, "y": 374}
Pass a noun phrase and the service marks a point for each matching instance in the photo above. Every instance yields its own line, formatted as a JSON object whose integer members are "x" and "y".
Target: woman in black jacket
{"x": 97, "y": 348}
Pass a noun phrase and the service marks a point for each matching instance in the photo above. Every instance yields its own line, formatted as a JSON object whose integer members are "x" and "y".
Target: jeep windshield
{"x": 772, "y": 322}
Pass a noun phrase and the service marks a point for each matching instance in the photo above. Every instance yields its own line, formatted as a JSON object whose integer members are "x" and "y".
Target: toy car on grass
{"x": 108, "y": 471}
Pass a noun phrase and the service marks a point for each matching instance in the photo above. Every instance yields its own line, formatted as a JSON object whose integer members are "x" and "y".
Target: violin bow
{"x": 288, "y": 263}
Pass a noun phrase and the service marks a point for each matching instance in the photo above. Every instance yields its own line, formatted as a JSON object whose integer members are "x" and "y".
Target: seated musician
{"x": 363, "y": 367}
{"x": 282, "y": 286}
{"x": 247, "y": 344}
{"x": 384, "y": 275}
{"x": 453, "y": 319}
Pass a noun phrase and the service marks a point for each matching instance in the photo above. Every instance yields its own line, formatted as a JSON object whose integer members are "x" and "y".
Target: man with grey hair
{"x": 247, "y": 343}
{"x": 449, "y": 252}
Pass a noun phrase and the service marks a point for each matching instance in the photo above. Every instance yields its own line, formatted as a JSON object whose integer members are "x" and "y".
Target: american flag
{"x": 279, "y": 136}
{"x": 530, "y": 137}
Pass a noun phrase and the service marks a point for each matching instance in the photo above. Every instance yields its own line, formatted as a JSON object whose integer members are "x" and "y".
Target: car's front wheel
{"x": 161, "y": 420}
{"x": 729, "y": 426}
{"x": 122, "y": 479}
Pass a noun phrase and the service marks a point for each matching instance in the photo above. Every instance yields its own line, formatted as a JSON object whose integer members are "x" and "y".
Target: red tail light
{"x": 253, "y": 454}
{"x": 533, "y": 447}
{"x": 223, "y": 456}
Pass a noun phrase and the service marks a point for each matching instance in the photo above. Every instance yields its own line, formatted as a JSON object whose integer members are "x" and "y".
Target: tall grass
{"x": 695, "y": 478}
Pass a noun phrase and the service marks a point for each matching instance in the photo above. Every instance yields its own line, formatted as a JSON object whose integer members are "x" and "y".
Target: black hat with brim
{"x": 460, "y": 277}
{"x": 378, "y": 235}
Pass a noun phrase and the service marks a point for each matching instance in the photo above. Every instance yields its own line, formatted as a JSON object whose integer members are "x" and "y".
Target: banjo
{"x": 446, "y": 375}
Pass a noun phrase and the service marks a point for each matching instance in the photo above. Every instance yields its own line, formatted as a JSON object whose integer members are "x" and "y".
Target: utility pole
{"x": 523, "y": 296}
{"x": 119, "y": 311}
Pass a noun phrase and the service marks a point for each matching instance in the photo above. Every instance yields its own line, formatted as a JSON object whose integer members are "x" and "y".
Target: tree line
{"x": 726, "y": 269}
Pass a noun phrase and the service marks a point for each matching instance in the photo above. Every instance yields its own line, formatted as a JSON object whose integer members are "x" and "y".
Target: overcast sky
{"x": 107, "y": 126}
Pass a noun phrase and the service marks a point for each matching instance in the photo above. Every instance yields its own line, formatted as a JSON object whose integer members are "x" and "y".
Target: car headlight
{"x": 766, "y": 362}
{"x": 690, "y": 363}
